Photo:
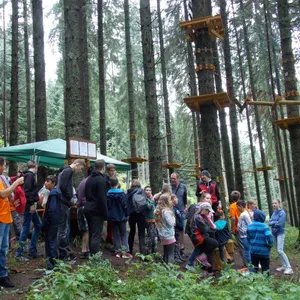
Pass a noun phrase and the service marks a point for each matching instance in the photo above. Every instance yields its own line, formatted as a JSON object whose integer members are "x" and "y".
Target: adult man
{"x": 95, "y": 208}
{"x": 30, "y": 214}
{"x": 179, "y": 189}
{"x": 65, "y": 187}
{"x": 5, "y": 221}
{"x": 206, "y": 185}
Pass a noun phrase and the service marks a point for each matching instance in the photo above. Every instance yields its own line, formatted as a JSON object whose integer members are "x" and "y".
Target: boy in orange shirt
{"x": 234, "y": 215}
{"x": 5, "y": 220}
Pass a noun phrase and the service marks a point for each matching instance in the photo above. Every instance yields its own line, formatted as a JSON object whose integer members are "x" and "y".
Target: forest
{"x": 168, "y": 86}
{"x": 126, "y": 75}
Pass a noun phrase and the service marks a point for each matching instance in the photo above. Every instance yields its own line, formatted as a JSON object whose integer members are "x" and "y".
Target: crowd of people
{"x": 163, "y": 217}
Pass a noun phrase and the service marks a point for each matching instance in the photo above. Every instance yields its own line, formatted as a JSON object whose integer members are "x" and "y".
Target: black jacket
{"x": 95, "y": 193}
{"x": 65, "y": 185}
{"x": 30, "y": 188}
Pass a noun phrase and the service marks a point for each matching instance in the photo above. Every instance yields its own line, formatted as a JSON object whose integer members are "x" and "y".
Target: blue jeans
{"x": 28, "y": 218}
{"x": 279, "y": 243}
{"x": 4, "y": 242}
{"x": 120, "y": 236}
{"x": 193, "y": 256}
{"x": 247, "y": 253}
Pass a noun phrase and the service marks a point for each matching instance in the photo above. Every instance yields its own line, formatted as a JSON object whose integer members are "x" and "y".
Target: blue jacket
{"x": 259, "y": 235}
{"x": 117, "y": 205}
{"x": 277, "y": 222}
{"x": 52, "y": 210}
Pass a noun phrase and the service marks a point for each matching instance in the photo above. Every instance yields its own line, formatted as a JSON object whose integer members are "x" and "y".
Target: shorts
{"x": 182, "y": 220}
{"x": 81, "y": 220}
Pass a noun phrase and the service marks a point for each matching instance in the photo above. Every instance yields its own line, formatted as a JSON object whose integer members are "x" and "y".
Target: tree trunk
{"x": 28, "y": 76}
{"x": 84, "y": 68}
{"x": 233, "y": 114}
{"x": 101, "y": 79}
{"x": 242, "y": 74}
{"x": 154, "y": 138}
{"x": 74, "y": 119}
{"x": 285, "y": 195}
{"x": 224, "y": 132}
{"x": 290, "y": 86}
{"x": 4, "y": 79}
{"x": 209, "y": 117}
{"x": 193, "y": 91}
{"x": 165, "y": 87}
{"x": 39, "y": 71}
{"x": 14, "y": 102}
{"x": 257, "y": 117}
{"x": 292, "y": 212}
{"x": 130, "y": 91}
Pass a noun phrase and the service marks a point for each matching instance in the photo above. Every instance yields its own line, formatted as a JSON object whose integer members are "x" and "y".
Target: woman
{"x": 277, "y": 223}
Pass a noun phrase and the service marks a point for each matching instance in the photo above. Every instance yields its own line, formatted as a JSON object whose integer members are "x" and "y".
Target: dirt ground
{"x": 24, "y": 274}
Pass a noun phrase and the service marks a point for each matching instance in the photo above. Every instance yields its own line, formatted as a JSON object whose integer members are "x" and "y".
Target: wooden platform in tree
{"x": 286, "y": 123}
{"x": 213, "y": 23}
{"x": 281, "y": 179}
{"x": 278, "y": 101}
{"x": 266, "y": 168}
{"x": 138, "y": 160}
{"x": 220, "y": 100}
{"x": 171, "y": 165}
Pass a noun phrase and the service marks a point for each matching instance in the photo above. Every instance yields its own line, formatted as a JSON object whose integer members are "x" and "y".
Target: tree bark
{"x": 4, "y": 79}
{"x": 28, "y": 75}
{"x": 154, "y": 151}
{"x": 39, "y": 71}
{"x": 209, "y": 117}
{"x": 84, "y": 68}
{"x": 224, "y": 132}
{"x": 257, "y": 117}
{"x": 242, "y": 74}
{"x": 74, "y": 119}
{"x": 165, "y": 87}
{"x": 130, "y": 91}
{"x": 235, "y": 140}
{"x": 101, "y": 79}
{"x": 290, "y": 86}
{"x": 14, "y": 91}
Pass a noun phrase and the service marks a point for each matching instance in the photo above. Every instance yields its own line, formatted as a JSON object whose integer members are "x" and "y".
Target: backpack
{"x": 139, "y": 203}
{"x": 19, "y": 199}
{"x": 191, "y": 212}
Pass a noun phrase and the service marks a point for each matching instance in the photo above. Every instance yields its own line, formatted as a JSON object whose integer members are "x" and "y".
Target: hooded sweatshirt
{"x": 277, "y": 222}
{"x": 30, "y": 188}
{"x": 52, "y": 210}
{"x": 222, "y": 233}
{"x": 117, "y": 205}
{"x": 259, "y": 235}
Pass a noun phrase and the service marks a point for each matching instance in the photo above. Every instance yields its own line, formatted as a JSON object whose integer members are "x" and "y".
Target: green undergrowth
{"x": 150, "y": 280}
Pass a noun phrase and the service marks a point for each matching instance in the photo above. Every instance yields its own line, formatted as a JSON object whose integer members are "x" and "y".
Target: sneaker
{"x": 190, "y": 268}
{"x": 281, "y": 269}
{"x": 5, "y": 282}
{"x": 203, "y": 274}
{"x": 22, "y": 258}
{"x": 127, "y": 255}
{"x": 288, "y": 271}
{"x": 119, "y": 255}
{"x": 34, "y": 255}
{"x": 202, "y": 259}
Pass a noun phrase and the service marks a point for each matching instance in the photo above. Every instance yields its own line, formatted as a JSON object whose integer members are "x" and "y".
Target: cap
{"x": 205, "y": 205}
{"x": 206, "y": 173}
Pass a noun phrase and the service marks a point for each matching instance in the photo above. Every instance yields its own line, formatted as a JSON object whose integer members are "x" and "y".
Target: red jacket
{"x": 211, "y": 188}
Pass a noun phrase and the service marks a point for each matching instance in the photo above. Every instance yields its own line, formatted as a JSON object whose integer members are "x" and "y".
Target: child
{"x": 117, "y": 215}
{"x": 178, "y": 228}
{"x": 222, "y": 233}
{"x": 234, "y": 214}
{"x": 51, "y": 220}
{"x": 260, "y": 240}
{"x": 244, "y": 221}
{"x": 251, "y": 206}
{"x": 151, "y": 239}
{"x": 204, "y": 244}
{"x": 165, "y": 222}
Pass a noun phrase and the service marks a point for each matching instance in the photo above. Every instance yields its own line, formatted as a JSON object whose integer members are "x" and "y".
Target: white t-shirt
{"x": 243, "y": 223}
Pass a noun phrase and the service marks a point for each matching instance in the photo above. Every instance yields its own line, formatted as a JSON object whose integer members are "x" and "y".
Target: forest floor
{"x": 25, "y": 274}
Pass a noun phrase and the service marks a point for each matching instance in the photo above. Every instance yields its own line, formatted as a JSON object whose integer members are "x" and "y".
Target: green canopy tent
{"x": 51, "y": 153}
